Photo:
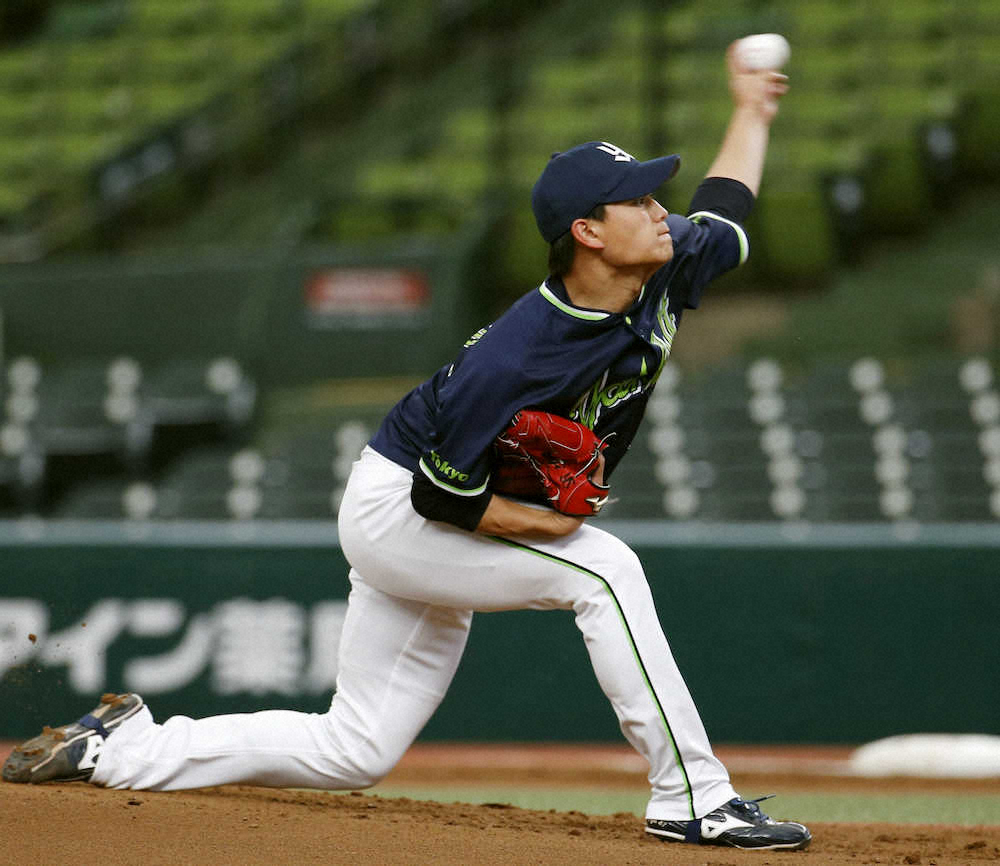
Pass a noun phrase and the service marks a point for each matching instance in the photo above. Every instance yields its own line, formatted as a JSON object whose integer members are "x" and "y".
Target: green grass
{"x": 903, "y": 808}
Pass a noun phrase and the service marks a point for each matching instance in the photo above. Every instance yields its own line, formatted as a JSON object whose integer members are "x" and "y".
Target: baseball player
{"x": 430, "y": 541}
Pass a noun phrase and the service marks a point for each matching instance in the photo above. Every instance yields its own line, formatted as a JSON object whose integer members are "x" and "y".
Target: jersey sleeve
{"x": 724, "y": 196}
{"x": 474, "y": 403}
{"x": 706, "y": 245}
{"x": 434, "y": 503}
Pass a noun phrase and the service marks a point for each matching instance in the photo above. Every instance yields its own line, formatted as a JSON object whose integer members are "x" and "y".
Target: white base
{"x": 942, "y": 756}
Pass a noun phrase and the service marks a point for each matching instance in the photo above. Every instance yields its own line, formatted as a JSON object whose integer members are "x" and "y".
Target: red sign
{"x": 364, "y": 291}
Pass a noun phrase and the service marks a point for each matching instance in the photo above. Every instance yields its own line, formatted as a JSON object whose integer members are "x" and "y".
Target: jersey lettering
{"x": 475, "y": 338}
{"x": 588, "y": 409}
{"x": 663, "y": 333}
{"x": 446, "y": 469}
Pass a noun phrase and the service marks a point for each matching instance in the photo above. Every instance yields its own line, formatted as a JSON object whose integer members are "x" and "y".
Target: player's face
{"x": 635, "y": 233}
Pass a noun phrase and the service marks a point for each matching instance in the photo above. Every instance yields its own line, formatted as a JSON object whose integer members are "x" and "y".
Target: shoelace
{"x": 750, "y": 807}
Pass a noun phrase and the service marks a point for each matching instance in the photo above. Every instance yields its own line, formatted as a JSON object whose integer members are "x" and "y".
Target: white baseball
{"x": 763, "y": 51}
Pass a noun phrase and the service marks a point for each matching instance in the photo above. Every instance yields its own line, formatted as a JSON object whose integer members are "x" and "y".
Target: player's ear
{"x": 587, "y": 232}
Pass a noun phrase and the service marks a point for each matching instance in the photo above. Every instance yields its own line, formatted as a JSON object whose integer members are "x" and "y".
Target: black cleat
{"x": 69, "y": 753}
{"x": 736, "y": 824}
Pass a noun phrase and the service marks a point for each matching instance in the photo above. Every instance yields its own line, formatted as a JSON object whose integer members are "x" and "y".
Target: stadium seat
{"x": 82, "y": 110}
{"x": 81, "y": 412}
{"x": 636, "y": 491}
{"x": 917, "y": 20}
{"x": 243, "y": 51}
{"x": 92, "y": 63}
{"x": 108, "y": 499}
{"x": 704, "y": 450}
{"x": 582, "y": 80}
{"x": 253, "y": 16}
{"x": 680, "y": 28}
{"x": 826, "y": 21}
{"x": 73, "y": 152}
{"x": 20, "y": 114}
{"x": 23, "y": 69}
{"x": 211, "y": 484}
{"x": 156, "y": 103}
{"x": 84, "y": 21}
{"x": 384, "y": 178}
{"x": 15, "y": 199}
{"x": 171, "y": 17}
{"x": 171, "y": 60}
{"x": 329, "y": 11}
{"x": 723, "y": 505}
{"x": 933, "y": 397}
{"x": 22, "y": 466}
{"x": 308, "y": 465}
{"x": 21, "y": 480}
{"x": 936, "y": 405}
{"x": 469, "y": 130}
{"x": 199, "y": 390}
{"x": 24, "y": 157}
{"x": 694, "y": 75}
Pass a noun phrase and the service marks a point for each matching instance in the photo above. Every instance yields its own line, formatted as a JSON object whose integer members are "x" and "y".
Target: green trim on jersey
{"x": 458, "y": 491}
{"x": 587, "y": 315}
{"x": 635, "y": 652}
{"x": 742, "y": 235}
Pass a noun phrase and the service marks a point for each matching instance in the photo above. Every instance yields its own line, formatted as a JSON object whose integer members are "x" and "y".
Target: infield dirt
{"x": 77, "y": 823}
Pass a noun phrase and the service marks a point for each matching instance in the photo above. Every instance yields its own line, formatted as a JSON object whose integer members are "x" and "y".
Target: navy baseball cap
{"x": 577, "y": 180}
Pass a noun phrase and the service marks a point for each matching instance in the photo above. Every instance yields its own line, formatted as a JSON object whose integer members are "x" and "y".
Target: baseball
{"x": 763, "y": 51}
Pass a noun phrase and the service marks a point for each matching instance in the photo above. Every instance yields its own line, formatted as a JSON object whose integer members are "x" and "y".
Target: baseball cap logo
{"x": 619, "y": 154}
{"x": 577, "y": 180}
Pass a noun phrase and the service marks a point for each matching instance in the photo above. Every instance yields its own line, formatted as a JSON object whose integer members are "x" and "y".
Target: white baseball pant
{"x": 414, "y": 586}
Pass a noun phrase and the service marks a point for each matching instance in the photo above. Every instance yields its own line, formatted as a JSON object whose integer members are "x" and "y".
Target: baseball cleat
{"x": 69, "y": 753}
{"x": 736, "y": 824}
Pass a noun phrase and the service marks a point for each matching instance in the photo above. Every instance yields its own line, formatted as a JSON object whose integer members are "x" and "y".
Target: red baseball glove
{"x": 549, "y": 458}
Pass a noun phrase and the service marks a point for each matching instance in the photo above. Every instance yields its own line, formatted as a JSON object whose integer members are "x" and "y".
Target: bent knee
{"x": 620, "y": 566}
{"x": 619, "y": 574}
{"x": 371, "y": 770}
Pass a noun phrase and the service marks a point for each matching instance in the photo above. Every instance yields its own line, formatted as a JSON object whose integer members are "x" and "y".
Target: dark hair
{"x": 563, "y": 249}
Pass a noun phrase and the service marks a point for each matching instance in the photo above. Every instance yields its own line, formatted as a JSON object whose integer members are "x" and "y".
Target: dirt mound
{"x": 55, "y": 824}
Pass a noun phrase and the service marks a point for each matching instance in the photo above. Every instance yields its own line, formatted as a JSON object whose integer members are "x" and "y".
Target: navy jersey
{"x": 595, "y": 367}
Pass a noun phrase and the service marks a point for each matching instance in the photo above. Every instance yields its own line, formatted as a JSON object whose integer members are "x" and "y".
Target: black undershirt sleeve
{"x": 724, "y": 196}
{"x": 433, "y": 503}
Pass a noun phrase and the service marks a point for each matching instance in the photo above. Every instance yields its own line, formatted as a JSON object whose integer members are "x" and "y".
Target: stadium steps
{"x": 127, "y": 69}
{"x": 866, "y": 81}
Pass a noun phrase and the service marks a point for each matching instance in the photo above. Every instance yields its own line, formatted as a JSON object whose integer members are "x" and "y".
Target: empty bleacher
{"x": 840, "y": 442}
{"x": 103, "y": 77}
{"x": 859, "y": 439}
{"x": 863, "y": 441}
{"x": 107, "y": 423}
{"x": 868, "y": 81}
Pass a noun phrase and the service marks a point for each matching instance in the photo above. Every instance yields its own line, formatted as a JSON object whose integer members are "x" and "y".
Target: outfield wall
{"x": 289, "y": 316}
{"x": 834, "y": 634}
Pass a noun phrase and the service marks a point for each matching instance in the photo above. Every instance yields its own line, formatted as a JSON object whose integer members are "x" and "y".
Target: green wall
{"x": 253, "y": 307}
{"x": 844, "y": 635}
